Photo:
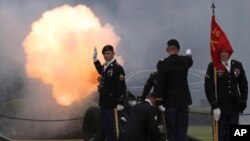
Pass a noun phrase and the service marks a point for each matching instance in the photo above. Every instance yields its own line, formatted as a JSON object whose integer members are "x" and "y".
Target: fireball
{"x": 59, "y": 51}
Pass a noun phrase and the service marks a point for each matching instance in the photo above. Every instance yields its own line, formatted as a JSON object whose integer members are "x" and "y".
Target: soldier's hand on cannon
{"x": 216, "y": 113}
{"x": 95, "y": 55}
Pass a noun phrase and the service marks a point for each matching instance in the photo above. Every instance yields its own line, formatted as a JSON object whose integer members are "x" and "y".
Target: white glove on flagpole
{"x": 216, "y": 113}
{"x": 119, "y": 107}
{"x": 161, "y": 108}
{"x": 95, "y": 55}
{"x": 188, "y": 52}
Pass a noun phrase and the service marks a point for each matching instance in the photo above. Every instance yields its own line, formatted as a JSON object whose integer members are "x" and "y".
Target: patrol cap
{"x": 107, "y": 48}
{"x": 174, "y": 42}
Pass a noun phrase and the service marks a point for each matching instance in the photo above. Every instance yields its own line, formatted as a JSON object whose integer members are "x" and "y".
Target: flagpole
{"x": 215, "y": 122}
{"x": 116, "y": 123}
{"x": 215, "y": 72}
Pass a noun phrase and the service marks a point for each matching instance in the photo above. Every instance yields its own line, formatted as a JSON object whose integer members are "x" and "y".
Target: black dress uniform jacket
{"x": 142, "y": 123}
{"x": 232, "y": 88}
{"x": 112, "y": 86}
{"x": 172, "y": 84}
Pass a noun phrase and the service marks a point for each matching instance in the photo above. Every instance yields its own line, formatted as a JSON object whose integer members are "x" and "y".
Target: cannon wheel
{"x": 91, "y": 127}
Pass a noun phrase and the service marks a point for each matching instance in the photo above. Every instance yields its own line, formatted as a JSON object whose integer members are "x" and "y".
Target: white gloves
{"x": 95, "y": 55}
{"x": 119, "y": 107}
{"x": 216, "y": 113}
{"x": 132, "y": 103}
{"x": 123, "y": 119}
{"x": 188, "y": 52}
{"x": 161, "y": 108}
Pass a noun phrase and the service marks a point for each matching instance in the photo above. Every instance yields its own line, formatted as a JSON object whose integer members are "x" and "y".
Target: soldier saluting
{"x": 112, "y": 92}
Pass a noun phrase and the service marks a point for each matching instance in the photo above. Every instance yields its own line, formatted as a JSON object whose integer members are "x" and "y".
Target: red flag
{"x": 218, "y": 42}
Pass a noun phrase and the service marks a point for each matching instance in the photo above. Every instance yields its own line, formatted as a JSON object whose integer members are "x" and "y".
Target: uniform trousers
{"x": 223, "y": 125}
{"x": 107, "y": 117}
{"x": 177, "y": 123}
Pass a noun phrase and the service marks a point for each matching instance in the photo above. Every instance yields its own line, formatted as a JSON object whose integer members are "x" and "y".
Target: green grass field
{"x": 203, "y": 133}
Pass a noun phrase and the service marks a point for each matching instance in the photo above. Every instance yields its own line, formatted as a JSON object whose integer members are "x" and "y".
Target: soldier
{"x": 172, "y": 89}
{"x": 124, "y": 114}
{"x": 150, "y": 88}
{"x": 142, "y": 123}
{"x": 150, "y": 83}
{"x": 112, "y": 90}
{"x": 232, "y": 92}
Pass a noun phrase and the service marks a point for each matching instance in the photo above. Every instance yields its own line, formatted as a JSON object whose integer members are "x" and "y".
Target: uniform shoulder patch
{"x": 122, "y": 77}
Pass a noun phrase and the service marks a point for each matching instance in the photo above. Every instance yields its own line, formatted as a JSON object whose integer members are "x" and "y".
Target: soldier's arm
{"x": 189, "y": 60}
{"x": 209, "y": 86}
{"x": 147, "y": 87}
{"x": 161, "y": 83}
{"x": 243, "y": 84}
{"x": 120, "y": 84}
{"x": 98, "y": 66}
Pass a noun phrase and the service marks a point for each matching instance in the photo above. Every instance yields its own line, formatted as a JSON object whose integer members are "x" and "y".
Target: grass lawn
{"x": 203, "y": 133}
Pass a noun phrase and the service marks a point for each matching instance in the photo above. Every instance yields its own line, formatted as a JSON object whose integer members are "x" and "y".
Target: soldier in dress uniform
{"x": 124, "y": 114}
{"x": 232, "y": 92}
{"x": 112, "y": 90}
{"x": 142, "y": 122}
{"x": 173, "y": 91}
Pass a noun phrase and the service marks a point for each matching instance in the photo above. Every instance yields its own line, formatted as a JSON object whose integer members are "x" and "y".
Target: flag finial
{"x": 213, "y": 7}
